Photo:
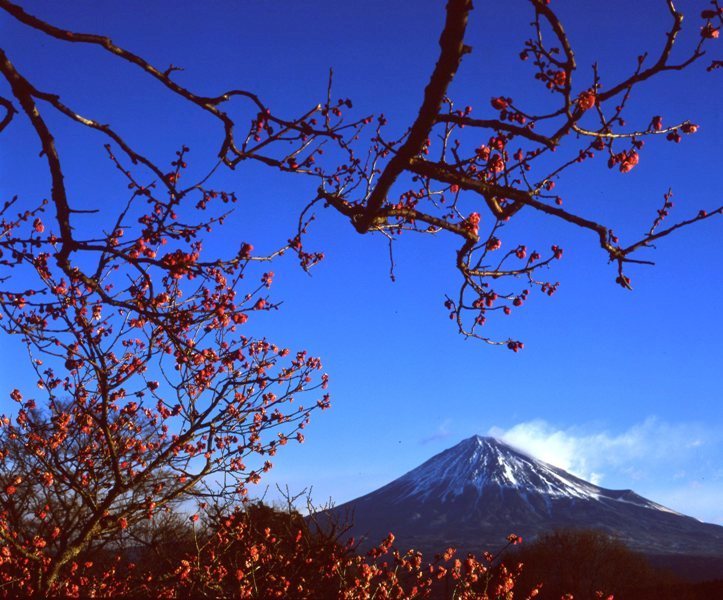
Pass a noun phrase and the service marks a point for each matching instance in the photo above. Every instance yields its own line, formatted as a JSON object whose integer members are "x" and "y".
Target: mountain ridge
{"x": 491, "y": 461}
{"x": 472, "y": 495}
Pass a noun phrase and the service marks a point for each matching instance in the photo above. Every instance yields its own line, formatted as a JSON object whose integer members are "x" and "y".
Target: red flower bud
{"x": 709, "y": 32}
{"x": 500, "y": 103}
{"x": 586, "y": 100}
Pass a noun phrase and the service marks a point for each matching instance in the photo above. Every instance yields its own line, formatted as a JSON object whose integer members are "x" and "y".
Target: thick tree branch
{"x": 453, "y": 49}
{"x": 23, "y": 91}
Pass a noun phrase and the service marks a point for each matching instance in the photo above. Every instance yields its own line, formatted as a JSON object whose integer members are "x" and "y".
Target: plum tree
{"x": 150, "y": 393}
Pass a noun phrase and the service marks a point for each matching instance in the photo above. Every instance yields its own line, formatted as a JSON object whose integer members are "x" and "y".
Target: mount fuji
{"x": 471, "y": 496}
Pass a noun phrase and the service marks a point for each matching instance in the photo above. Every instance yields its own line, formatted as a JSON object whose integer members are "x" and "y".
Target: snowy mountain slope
{"x": 474, "y": 494}
{"x": 486, "y": 463}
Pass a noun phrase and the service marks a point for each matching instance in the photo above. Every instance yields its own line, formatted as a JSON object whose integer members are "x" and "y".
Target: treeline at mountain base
{"x": 259, "y": 551}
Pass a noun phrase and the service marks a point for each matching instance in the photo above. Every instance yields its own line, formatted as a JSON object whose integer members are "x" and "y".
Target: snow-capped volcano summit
{"x": 486, "y": 463}
{"x": 471, "y": 496}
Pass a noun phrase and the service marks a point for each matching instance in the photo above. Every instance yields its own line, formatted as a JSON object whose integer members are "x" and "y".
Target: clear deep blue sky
{"x": 622, "y": 387}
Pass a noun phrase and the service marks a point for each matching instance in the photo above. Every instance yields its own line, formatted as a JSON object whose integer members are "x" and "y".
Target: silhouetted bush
{"x": 581, "y": 562}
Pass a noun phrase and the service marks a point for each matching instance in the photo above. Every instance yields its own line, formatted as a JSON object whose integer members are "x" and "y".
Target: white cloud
{"x": 593, "y": 454}
{"x": 659, "y": 460}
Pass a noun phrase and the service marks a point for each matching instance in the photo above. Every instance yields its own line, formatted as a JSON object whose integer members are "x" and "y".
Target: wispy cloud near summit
{"x": 676, "y": 463}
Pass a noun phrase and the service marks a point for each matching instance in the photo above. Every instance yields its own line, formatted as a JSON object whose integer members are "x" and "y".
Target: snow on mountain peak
{"x": 483, "y": 462}
{"x": 486, "y": 463}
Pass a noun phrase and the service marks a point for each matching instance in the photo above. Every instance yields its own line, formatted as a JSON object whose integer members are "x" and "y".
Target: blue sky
{"x": 620, "y": 387}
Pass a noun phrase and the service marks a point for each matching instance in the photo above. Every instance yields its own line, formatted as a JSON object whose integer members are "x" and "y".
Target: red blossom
{"x": 472, "y": 222}
{"x": 709, "y": 31}
{"x": 493, "y": 244}
{"x": 500, "y": 103}
{"x": 628, "y": 160}
{"x": 586, "y": 100}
